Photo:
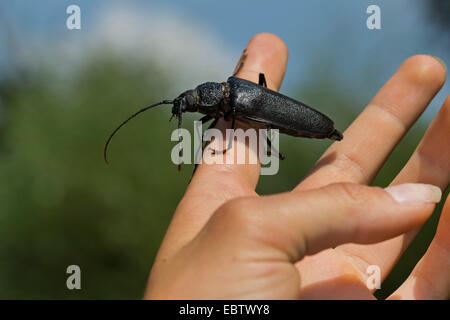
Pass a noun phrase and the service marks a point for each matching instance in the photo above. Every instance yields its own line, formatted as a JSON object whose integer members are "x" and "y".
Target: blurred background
{"x": 63, "y": 91}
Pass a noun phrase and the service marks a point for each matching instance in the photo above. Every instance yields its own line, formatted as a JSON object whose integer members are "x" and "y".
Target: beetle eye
{"x": 190, "y": 101}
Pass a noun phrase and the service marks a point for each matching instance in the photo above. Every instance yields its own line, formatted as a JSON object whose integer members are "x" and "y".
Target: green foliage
{"x": 61, "y": 205}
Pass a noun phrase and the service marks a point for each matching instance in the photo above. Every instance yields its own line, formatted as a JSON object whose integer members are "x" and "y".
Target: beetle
{"x": 251, "y": 103}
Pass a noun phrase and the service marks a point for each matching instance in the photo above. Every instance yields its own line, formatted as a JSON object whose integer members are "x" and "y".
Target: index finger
{"x": 214, "y": 184}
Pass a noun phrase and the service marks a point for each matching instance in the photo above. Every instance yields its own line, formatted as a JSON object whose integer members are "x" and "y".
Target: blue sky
{"x": 311, "y": 29}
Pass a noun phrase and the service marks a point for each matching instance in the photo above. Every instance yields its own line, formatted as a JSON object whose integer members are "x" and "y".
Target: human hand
{"x": 227, "y": 242}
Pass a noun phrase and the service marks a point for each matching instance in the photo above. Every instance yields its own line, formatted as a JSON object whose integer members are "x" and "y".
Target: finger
{"x": 368, "y": 137}
{"x": 267, "y": 54}
{"x": 214, "y": 184}
{"x": 430, "y": 279}
{"x": 428, "y": 164}
{"x": 299, "y": 224}
{"x": 430, "y": 161}
{"x": 372, "y": 136}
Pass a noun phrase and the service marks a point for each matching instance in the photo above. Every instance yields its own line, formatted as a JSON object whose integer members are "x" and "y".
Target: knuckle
{"x": 244, "y": 218}
{"x": 237, "y": 213}
{"x": 348, "y": 164}
{"x": 356, "y": 199}
{"x": 352, "y": 192}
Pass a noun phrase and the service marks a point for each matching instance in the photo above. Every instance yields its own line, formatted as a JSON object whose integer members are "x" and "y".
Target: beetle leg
{"x": 269, "y": 143}
{"x": 262, "y": 80}
{"x": 233, "y": 122}
{"x": 203, "y": 120}
{"x": 213, "y": 124}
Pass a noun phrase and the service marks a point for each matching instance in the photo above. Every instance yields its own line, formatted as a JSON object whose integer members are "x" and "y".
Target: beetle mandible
{"x": 251, "y": 103}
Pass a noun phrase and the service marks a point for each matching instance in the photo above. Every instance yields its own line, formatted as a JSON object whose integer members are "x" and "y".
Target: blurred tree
{"x": 60, "y": 204}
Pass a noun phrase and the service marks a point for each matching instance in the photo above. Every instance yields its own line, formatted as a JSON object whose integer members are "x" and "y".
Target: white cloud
{"x": 177, "y": 43}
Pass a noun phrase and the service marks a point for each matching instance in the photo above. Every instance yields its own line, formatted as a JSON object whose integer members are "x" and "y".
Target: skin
{"x": 316, "y": 241}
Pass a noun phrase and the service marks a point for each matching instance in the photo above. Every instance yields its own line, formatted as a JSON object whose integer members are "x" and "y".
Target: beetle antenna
{"x": 131, "y": 117}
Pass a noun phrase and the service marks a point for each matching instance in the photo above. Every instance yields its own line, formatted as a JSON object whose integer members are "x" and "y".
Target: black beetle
{"x": 251, "y": 103}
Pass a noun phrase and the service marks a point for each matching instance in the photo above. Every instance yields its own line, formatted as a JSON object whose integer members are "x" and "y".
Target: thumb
{"x": 305, "y": 223}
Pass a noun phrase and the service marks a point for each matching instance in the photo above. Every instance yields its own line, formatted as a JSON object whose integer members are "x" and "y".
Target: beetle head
{"x": 185, "y": 102}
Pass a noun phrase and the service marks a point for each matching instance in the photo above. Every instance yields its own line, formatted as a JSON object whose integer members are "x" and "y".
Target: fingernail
{"x": 415, "y": 192}
{"x": 442, "y": 62}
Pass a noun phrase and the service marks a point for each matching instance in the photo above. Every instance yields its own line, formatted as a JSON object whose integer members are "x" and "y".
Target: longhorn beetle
{"x": 251, "y": 103}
